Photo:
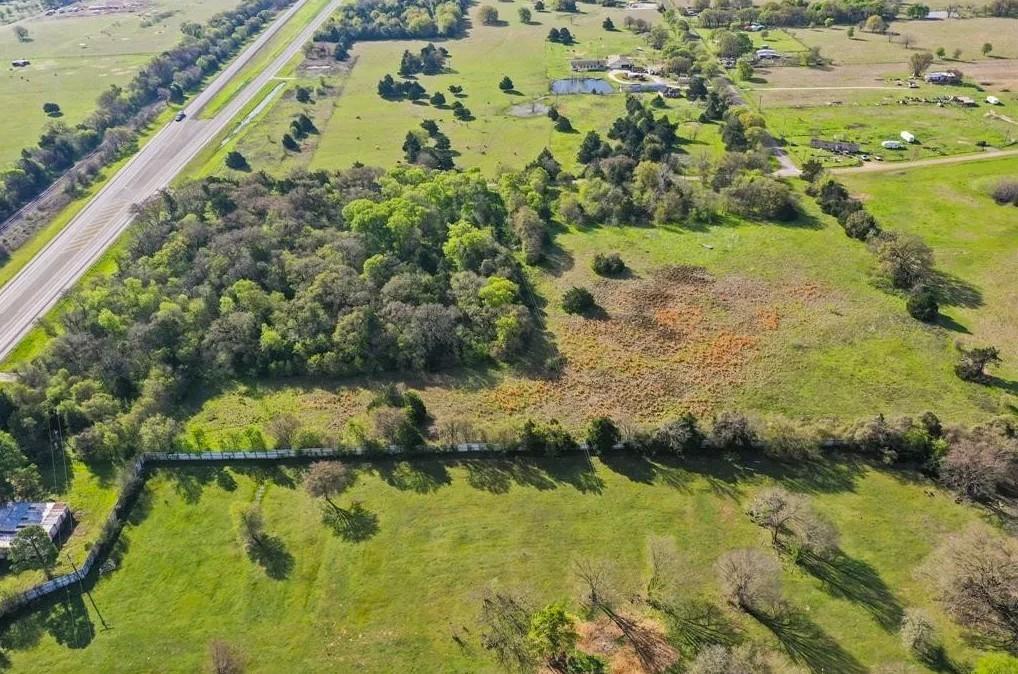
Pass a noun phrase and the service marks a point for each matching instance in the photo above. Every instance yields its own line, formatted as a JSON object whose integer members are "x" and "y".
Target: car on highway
{"x": 180, "y": 116}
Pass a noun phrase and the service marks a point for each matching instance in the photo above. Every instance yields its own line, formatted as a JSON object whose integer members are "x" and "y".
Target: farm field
{"x": 355, "y": 124}
{"x": 75, "y": 58}
{"x": 403, "y": 597}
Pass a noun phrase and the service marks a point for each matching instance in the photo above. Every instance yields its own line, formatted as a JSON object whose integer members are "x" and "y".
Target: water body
{"x": 581, "y": 85}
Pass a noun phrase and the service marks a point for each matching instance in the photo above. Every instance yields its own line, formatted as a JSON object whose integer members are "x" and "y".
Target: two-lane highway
{"x": 58, "y": 266}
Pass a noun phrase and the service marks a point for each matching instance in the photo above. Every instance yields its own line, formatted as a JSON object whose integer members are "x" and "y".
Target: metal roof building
{"x": 14, "y": 517}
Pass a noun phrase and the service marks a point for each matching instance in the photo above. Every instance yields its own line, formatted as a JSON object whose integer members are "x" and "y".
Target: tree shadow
{"x": 497, "y": 476}
{"x": 806, "y": 643}
{"x": 266, "y": 473}
{"x": 354, "y": 524}
{"x": 422, "y": 477}
{"x": 1009, "y": 385}
{"x": 190, "y": 481}
{"x": 575, "y": 472}
{"x": 948, "y": 323}
{"x": 694, "y": 625}
{"x": 953, "y": 291}
{"x": 270, "y": 553}
{"x": 69, "y": 623}
{"x": 815, "y": 477}
{"x": 635, "y": 467}
{"x": 859, "y": 583}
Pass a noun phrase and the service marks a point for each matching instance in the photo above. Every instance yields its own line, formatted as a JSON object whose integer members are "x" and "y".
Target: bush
{"x": 488, "y": 15}
{"x": 972, "y": 364}
{"x": 602, "y": 434}
{"x": 549, "y": 438}
{"x": 922, "y": 305}
{"x": 608, "y": 264}
{"x": 577, "y": 301}
{"x": 860, "y": 225}
{"x": 236, "y": 161}
{"x": 732, "y": 431}
{"x": 679, "y": 436}
{"x": 562, "y": 124}
{"x": 1006, "y": 192}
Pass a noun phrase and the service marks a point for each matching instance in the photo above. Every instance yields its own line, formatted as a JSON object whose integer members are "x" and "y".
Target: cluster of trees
{"x": 165, "y": 78}
{"x": 433, "y": 150}
{"x": 562, "y": 122}
{"x": 334, "y": 274}
{"x": 391, "y": 20}
{"x": 1003, "y": 8}
{"x": 391, "y": 90}
{"x": 721, "y": 14}
{"x": 561, "y": 36}
{"x": 430, "y": 61}
{"x": 300, "y": 128}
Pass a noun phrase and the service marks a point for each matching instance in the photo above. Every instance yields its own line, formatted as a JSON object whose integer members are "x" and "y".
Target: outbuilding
{"x": 908, "y": 137}
{"x": 14, "y": 517}
{"x": 893, "y": 145}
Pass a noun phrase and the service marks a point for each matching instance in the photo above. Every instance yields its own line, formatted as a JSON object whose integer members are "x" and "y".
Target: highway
{"x": 65, "y": 259}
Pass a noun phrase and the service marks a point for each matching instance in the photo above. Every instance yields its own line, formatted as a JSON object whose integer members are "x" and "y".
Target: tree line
{"x": 391, "y": 20}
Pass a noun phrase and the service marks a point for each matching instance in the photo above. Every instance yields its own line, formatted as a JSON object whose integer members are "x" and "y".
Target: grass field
{"x": 399, "y": 599}
{"x": 74, "y": 58}
{"x": 355, "y": 124}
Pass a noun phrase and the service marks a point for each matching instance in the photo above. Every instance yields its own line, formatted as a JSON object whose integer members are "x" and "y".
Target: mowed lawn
{"x": 400, "y": 599}
{"x": 75, "y": 58}
{"x": 975, "y": 241}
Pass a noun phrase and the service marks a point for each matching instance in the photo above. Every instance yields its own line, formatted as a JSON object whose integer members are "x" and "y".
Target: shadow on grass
{"x": 422, "y": 477}
{"x": 497, "y": 476}
{"x": 68, "y": 622}
{"x": 956, "y": 292}
{"x": 190, "y": 481}
{"x": 806, "y": 643}
{"x": 355, "y": 524}
{"x": 694, "y": 625}
{"x": 270, "y": 553}
{"x": 859, "y": 583}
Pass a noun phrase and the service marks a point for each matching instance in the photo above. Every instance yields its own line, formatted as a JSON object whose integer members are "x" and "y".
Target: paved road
{"x": 58, "y": 266}
{"x": 880, "y": 167}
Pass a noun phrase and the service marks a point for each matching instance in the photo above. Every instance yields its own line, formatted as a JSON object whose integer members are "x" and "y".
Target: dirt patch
{"x": 532, "y": 109}
{"x": 604, "y": 638}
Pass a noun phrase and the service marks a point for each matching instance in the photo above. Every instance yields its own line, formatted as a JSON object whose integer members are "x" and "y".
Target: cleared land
{"x": 74, "y": 58}
{"x": 401, "y": 598}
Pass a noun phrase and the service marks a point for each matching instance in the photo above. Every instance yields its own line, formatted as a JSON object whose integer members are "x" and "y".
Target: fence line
{"x": 135, "y": 477}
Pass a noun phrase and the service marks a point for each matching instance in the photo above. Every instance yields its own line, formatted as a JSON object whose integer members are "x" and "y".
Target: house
{"x": 644, "y": 87}
{"x": 586, "y": 65}
{"x": 20, "y": 63}
{"x": 16, "y": 516}
{"x": 944, "y": 77}
{"x": 839, "y": 146}
{"x": 617, "y": 62}
{"x": 908, "y": 137}
{"x": 767, "y": 54}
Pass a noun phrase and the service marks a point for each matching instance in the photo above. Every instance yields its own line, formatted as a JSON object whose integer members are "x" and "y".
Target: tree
{"x": 774, "y": 509}
{"x": 539, "y": 6}
{"x": 975, "y": 577}
{"x": 328, "y": 479}
{"x": 610, "y": 264}
{"x": 577, "y": 300}
{"x": 718, "y": 659}
{"x": 303, "y": 95}
{"x": 505, "y": 627}
{"x": 488, "y": 15}
{"x": 922, "y": 304}
{"x": 602, "y": 434}
{"x": 917, "y": 633}
{"x": 437, "y": 99}
{"x": 505, "y": 84}
{"x": 524, "y": 14}
{"x": 732, "y": 431}
{"x": 850, "y": 32}
{"x": 608, "y": 24}
{"x": 224, "y": 658}
{"x": 590, "y": 148}
{"x": 956, "y": 54}
{"x": 51, "y": 109}
{"x": 744, "y": 69}
{"x": 972, "y": 364}
{"x": 978, "y": 465}
{"x": 917, "y": 11}
{"x": 811, "y": 170}
{"x": 904, "y": 258}
{"x": 554, "y": 35}
{"x": 987, "y": 48}
{"x": 290, "y": 144}
{"x": 31, "y": 548}
{"x": 861, "y": 225}
{"x": 876, "y": 24}
{"x": 19, "y": 479}
{"x": 562, "y": 124}
{"x": 919, "y": 62}
{"x": 940, "y": 52}
{"x": 411, "y": 147}
{"x": 552, "y": 636}
{"x": 21, "y": 33}
{"x": 564, "y": 36}
{"x": 750, "y": 580}
{"x": 236, "y": 161}
{"x": 679, "y": 436}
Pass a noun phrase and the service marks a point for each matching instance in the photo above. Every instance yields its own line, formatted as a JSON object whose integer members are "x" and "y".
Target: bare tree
{"x": 793, "y": 523}
{"x": 224, "y": 659}
{"x": 327, "y": 479}
{"x": 750, "y": 580}
{"x": 978, "y": 464}
{"x": 774, "y": 509}
{"x": 718, "y": 659}
{"x": 976, "y": 578}
{"x": 918, "y": 634}
{"x": 283, "y": 428}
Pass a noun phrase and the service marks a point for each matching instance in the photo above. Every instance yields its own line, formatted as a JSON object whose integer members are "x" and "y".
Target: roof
{"x": 16, "y": 516}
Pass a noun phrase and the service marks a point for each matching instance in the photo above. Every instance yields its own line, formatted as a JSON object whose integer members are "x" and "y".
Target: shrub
{"x": 1006, "y": 192}
{"x": 917, "y": 633}
{"x": 784, "y": 440}
{"x": 608, "y": 264}
{"x": 602, "y": 434}
{"x": 860, "y": 225}
{"x": 236, "y": 161}
{"x": 549, "y": 438}
{"x": 922, "y": 304}
{"x": 577, "y": 301}
{"x": 905, "y": 259}
{"x": 732, "y": 431}
{"x": 679, "y": 436}
{"x": 972, "y": 364}
{"x": 488, "y": 15}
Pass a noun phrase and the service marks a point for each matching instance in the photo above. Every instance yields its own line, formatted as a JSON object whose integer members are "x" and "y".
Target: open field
{"x": 965, "y": 34}
{"x": 74, "y": 58}
{"x": 974, "y": 239}
{"x": 401, "y": 598}
{"x": 358, "y": 125}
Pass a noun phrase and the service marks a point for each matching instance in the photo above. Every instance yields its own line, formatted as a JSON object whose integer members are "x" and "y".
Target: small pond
{"x": 581, "y": 85}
